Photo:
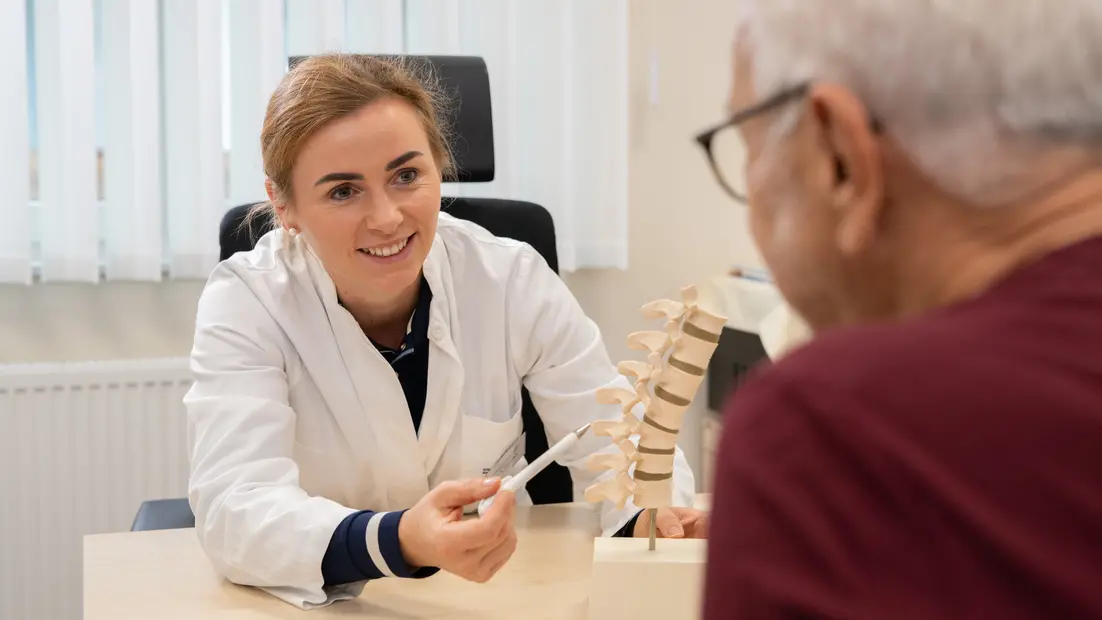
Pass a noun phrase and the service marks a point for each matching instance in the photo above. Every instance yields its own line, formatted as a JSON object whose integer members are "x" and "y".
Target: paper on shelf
{"x": 781, "y": 330}
{"x": 744, "y": 302}
{"x": 757, "y": 307}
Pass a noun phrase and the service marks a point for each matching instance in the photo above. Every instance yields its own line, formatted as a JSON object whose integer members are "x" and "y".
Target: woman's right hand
{"x": 434, "y": 533}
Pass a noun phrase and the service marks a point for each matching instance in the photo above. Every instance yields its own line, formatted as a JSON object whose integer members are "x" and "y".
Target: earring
{"x": 292, "y": 231}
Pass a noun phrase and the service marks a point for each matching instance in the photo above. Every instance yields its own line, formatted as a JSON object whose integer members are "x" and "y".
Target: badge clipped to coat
{"x": 507, "y": 461}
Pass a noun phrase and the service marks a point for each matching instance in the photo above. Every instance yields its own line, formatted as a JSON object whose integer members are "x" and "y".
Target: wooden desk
{"x": 165, "y": 575}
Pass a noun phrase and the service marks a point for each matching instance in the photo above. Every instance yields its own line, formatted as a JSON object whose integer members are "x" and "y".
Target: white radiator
{"x": 81, "y": 446}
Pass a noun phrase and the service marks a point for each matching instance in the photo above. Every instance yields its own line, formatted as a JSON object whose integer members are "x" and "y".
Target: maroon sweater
{"x": 948, "y": 467}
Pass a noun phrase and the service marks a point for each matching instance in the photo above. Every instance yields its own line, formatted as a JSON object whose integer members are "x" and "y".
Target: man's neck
{"x": 980, "y": 248}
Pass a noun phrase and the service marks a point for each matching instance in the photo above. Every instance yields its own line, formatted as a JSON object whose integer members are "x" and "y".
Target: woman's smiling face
{"x": 365, "y": 193}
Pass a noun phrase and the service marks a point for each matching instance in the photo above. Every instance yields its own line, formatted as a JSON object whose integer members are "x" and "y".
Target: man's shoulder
{"x": 874, "y": 358}
{"x": 888, "y": 371}
{"x": 849, "y": 402}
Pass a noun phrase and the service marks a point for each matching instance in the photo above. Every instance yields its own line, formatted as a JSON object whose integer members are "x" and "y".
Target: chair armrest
{"x": 163, "y": 514}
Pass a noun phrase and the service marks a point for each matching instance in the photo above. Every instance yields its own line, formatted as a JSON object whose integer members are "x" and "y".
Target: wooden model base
{"x": 629, "y": 581}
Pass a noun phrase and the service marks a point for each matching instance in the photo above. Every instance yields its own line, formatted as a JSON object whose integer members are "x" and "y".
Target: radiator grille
{"x": 82, "y": 446}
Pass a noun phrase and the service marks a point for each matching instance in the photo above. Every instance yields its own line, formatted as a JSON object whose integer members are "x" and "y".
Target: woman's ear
{"x": 269, "y": 188}
{"x": 278, "y": 204}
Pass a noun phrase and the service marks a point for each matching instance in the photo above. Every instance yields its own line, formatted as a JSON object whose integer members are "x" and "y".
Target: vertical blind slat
{"x": 432, "y": 27}
{"x": 132, "y": 151}
{"x": 374, "y": 26}
{"x": 599, "y": 124}
{"x": 487, "y": 28}
{"x": 67, "y": 159}
{"x": 257, "y": 62}
{"x": 314, "y": 26}
{"x": 542, "y": 129}
{"x": 558, "y": 72}
{"x": 565, "y": 220}
{"x": 194, "y": 165}
{"x": 15, "y": 233}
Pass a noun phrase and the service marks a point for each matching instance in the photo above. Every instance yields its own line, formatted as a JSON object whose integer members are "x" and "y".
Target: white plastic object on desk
{"x": 782, "y": 330}
{"x": 631, "y": 581}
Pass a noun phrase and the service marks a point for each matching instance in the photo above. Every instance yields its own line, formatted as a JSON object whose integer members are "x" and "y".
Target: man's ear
{"x": 850, "y": 140}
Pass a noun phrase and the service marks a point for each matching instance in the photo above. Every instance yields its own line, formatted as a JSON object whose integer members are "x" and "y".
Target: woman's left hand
{"x": 674, "y": 523}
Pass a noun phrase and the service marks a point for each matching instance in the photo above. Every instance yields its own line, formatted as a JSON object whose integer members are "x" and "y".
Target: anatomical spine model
{"x": 665, "y": 385}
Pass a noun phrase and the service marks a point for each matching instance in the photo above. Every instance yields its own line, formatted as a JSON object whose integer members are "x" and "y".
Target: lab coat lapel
{"x": 445, "y": 378}
{"x": 366, "y": 398}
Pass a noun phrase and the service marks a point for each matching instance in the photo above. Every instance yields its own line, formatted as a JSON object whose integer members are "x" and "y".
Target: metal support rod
{"x": 653, "y": 525}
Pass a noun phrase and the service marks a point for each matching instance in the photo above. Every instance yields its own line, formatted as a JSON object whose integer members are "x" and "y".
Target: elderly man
{"x": 924, "y": 179}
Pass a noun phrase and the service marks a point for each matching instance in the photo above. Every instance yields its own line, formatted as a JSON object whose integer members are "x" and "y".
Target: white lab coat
{"x": 296, "y": 420}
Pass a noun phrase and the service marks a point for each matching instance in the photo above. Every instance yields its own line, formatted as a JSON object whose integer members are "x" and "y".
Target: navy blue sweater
{"x": 365, "y": 545}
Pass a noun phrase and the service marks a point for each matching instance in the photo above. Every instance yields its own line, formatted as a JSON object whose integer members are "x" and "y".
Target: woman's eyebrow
{"x": 401, "y": 159}
{"x": 355, "y": 176}
{"x": 340, "y": 176}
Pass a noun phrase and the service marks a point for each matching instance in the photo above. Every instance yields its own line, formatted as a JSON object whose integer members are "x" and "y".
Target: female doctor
{"x": 359, "y": 372}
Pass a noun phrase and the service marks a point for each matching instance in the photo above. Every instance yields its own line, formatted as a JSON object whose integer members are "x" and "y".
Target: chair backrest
{"x": 466, "y": 84}
{"x": 513, "y": 219}
{"x": 523, "y": 221}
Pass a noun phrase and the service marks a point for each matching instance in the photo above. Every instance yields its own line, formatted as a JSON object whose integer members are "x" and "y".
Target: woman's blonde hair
{"x": 324, "y": 88}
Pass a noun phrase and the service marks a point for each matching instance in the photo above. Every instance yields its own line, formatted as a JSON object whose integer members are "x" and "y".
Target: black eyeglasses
{"x": 725, "y": 148}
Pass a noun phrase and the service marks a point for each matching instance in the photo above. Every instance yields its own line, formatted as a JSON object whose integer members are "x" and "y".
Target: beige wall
{"x": 75, "y": 322}
{"x": 682, "y": 228}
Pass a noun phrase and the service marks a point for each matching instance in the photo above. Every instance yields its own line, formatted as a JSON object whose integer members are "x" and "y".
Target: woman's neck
{"x": 384, "y": 321}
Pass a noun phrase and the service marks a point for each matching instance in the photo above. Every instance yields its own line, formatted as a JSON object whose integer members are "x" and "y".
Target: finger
{"x": 701, "y": 526}
{"x": 497, "y": 557}
{"x": 477, "y": 563}
{"x": 694, "y": 521}
{"x": 491, "y": 527}
{"x": 668, "y": 525}
{"x": 688, "y": 517}
{"x": 699, "y": 529}
{"x": 504, "y": 506}
{"x": 456, "y": 494}
{"x": 502, "y": 555}
{"x": 687, "y": 513}
{"x": 503, "y": 509}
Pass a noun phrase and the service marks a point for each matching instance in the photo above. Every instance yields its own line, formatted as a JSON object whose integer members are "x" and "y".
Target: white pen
{"x": 755, "y": 275}
{"x": 517, "y": 482}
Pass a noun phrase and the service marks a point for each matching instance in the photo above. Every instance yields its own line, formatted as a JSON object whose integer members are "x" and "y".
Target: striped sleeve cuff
{"x": 628, "y": 531}
{"x": 383, "y": 550}
{"x": 365, "y": 546}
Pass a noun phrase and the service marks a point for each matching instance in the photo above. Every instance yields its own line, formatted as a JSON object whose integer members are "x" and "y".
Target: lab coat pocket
{"x": 486, "y": 442}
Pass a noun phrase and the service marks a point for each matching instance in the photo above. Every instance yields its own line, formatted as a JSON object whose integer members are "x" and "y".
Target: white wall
{"x": 683, "y": 229}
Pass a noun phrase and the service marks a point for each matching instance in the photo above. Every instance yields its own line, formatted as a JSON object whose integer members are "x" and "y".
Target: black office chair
{"x": 468, "y": 84}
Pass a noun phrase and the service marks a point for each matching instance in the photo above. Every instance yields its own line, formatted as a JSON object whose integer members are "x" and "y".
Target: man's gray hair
{"x": 971, "y": 89}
